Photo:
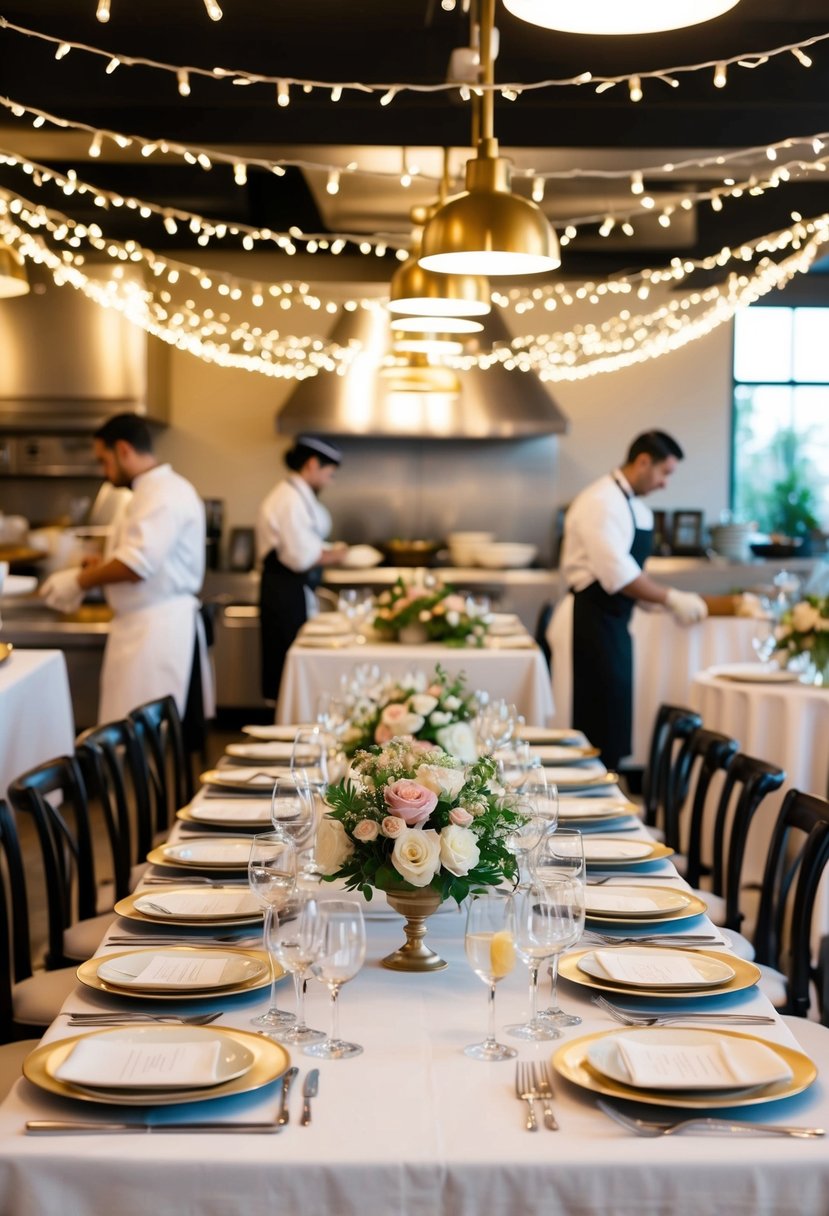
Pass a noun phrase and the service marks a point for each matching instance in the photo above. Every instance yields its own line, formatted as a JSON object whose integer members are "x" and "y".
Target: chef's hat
{"x": 306, "y": 446}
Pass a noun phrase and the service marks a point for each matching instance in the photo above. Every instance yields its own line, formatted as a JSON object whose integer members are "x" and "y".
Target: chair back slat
{"x": 118, "y": 778}
{"x": 158, "y": 727}
{"x": 704, "y": 753}
{"x": 673, "y": 724}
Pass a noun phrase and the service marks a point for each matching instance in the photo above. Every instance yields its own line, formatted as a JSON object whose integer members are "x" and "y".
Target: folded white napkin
{"x": 653, "y": 969}
{"x": 614, "y": 899}
{"x": 211, "y": 905}
{"x": 232, "y": 810}
{"x": 165, "y": 970}
{"x": 712, "y": 1063}
{"x": 104, "y": 1061}
{"x": 220, "y": 852}
{"x": 600, "y": 849}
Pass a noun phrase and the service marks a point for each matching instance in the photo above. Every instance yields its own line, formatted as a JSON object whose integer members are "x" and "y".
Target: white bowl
{"x": 361, "y": 557}
{"x": 505, "y": 555}
{"x": 470, "y": 538}
{"x": 463, "y": 546}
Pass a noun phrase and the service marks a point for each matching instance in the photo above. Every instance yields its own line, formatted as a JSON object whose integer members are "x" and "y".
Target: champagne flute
{"x": 535, "y": 926}
{"x": 558, "y": 866}
{"x": 342, "y": 951}
{"x": 272, "y": 879}
{"x": 294, "y": 942}
{"x": 491, "y": 955}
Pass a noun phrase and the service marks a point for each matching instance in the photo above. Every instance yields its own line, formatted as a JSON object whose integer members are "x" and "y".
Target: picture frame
{"x": 686, "y": 533}
{"x": 241, "y": 550}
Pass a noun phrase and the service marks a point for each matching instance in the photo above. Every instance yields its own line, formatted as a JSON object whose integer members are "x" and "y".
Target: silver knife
{"x": 287, "y": 1082}
{"x": 56, "y": 1126}
{"x": 310, "y": 1089}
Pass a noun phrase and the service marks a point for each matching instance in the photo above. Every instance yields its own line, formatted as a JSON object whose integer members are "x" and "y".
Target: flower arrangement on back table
{"x": 438, "y": 610}
{"x": 438, "y": 708}
{"x": 411, "y": 816}
{"x": 804, "y": 631}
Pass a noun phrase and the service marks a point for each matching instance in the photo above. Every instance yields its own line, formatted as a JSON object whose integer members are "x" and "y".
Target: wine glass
{"x": 309, "y": 757}
{"x": 491, "y": 955}
{"x": 540, "y": 796}
{"x": 514, "y": 763}
{"x": 558, "y": 866}
{"x": 536, "y": 929}
{"x": 294, "y": 942}
{"x": 272, "y": 879}
{"x": 522, "y": 841}
{"x": 292, "y": 815}
{"x": 342, "y": 951}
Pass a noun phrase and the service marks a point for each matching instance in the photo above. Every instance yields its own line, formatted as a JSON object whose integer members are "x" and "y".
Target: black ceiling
{"x": 395, "y": 40}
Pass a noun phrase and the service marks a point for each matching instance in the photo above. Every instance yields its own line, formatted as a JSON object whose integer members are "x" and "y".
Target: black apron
{"x": 603, "y": 659}
{"x": 282, "y": 613}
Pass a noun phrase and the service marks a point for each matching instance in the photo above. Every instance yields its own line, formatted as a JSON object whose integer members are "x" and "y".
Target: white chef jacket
{"x": 149, "y": 651}
{"x": 293, "y": 522}
{"x": 598, "y": 534}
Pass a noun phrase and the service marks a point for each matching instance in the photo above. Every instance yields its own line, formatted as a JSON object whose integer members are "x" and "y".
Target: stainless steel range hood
{"x": 492, "y": 404}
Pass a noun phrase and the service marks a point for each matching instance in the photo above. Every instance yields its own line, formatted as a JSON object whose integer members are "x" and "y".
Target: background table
{"x": 36, "y": 721}
{"x": 520, "y": 675}
{"x": 666, "y": 657}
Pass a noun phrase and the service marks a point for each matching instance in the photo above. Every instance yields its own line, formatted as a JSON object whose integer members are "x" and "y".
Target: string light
{"x": 720, "y": 76}
{"x": 387, "y": 91}
{"x": 283, "y": 93}
{"x": 213, "y": 10}
{"x": 333, "y": 183}
{"x": 538, "y": 189}
{"x": 183, "y": 82}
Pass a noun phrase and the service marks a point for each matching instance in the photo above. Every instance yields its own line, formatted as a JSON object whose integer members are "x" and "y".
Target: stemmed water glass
{"x": 558, "y": 866}
{"x": 272, "y": 879}
{"x": 491, "y": 955}
{"x": 540, "y": 796}
{"x": 536, "y": 929}
{"x": 341, "y": 953}
{"x": 514, "y": 764}
{"x": 293, "y": 818}
{"x": 294, "y": 942}
{"x": 522, "y": 841}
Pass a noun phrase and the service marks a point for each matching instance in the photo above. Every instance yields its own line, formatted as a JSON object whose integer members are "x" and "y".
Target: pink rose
{"x": 383, "y": 733}
{"x": 392, "y": 826}
{"x": 434, "y": 690}
{"x": 410, "y": 801}
{"x": 459, "y": 817}
{"x": 423, "y": 745}
{"x": 366, "y": 830}
{"x": 454, "y": 603}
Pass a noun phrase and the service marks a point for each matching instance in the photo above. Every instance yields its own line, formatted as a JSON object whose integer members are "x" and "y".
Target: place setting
{"x": 585, "y": 779}
{"x": 216, "y": 852}
{"x": 563, "y": 753}
{"x": 597, "y": 813}
{"x": 664, "y": 973}
{"x": 624, "y": 855}
{"x": 175, "y": 973}
{"x": 218, "y": 812}
{"x": 195, "y": 907}
{"x": 249, "y": 780}
{"x": 629, "y": 904}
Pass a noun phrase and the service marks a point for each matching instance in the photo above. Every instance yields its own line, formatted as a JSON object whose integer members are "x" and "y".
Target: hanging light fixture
{"x": 415, "y": 374}
{"x": 489, "y": 230}
{"x": 431, "y": 325}
{"x": 617, "y": 16}
{"x": 13, "y": 278}
{"x": 415, "y": 291}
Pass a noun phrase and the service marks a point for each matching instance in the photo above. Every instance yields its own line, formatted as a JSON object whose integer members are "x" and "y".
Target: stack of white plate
{"x": 463, "y": 546}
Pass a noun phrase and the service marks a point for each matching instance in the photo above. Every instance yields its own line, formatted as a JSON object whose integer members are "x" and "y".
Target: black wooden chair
{"x": 797, "y": 857}
{"x": 673, "y": 724}
{"x": 54, "y": 795}
{"x": 117, "y": 778}
{"x": 703, "y": 753}
{"x": 29, "y": 1000}
{"x": 158, "y": 729}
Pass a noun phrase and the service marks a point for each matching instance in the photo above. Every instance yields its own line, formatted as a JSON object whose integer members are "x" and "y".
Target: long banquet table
{"x": 520, "y": 676}
{"x": 36, "y": 720}
{"x": 413, "y": 1127}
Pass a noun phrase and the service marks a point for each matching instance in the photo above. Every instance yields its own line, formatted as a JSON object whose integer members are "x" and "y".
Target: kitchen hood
{"x": 66, "y": 364}
{"x": 370, "y": 402}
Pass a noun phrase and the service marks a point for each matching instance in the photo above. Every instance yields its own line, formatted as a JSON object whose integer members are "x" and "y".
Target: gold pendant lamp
{"x": 415, "y": 291}
{"x": 489, "y": 230}
{"x": 13, "y": 278}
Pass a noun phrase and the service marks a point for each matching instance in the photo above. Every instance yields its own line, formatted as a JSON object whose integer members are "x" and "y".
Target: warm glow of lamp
{"x": 13, "y": 278}
{"x": 489, "y": 230}
{"x": 426, "y": 344}
{"x": 440, "y": 324}
{"x": 415, "y": 291}
{"x": 617, "y": 16}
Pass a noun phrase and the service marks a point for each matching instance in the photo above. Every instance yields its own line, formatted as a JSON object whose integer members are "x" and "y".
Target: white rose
{"x": 451, "y": 703}
{"x": 422, "y": 703}
{"x": 445, "y": 782}
{"x": 416, "y": 856}
{"x": 804, "y": 617}
{"x": 424, "y": 616}
{"x": 400, "y": 720}
{"x": 440, "y": 718}
{"x": 459, "y": 740}
{"x": 416, "y": 680}
{"x": 453, "y": 618}
{"x": 333, "y": 847}
{"x": 459, "y": 852}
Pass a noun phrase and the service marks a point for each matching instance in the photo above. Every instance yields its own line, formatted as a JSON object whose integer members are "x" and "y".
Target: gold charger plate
{"x": 243, "y": 825}
{"x": 159, "y": 857}
{"x": 87, "y": 973}
{"x": 657, "y": 852}
{"x": 598, "y": 782}
{"x": 270, "y": 1061}
{"x": 745, "y": 976}
{"x": 126, "y": 908}
{"x": 570, "y": 1062}
{"x": 6, "y": 649}
{"x": 694, "y": 907}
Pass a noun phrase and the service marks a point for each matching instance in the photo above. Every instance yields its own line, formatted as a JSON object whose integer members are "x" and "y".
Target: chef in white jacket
{"x": 151, "y": 573}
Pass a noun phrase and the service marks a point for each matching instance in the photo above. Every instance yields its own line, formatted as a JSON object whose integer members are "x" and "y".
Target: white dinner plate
{"x": 154, "y": 1057}
{"x": 756, "y": 673}
{"x": 583, "y": 809}
{"x": 680, "y": 1060}
{"x": 607, "y": 849}
{"x": 580, "y": 780}
{"x": 560, "y": 753}
{"x": 259, "y": 779}
{"x": 229, "y": 812}
{"x": 276, "y": 730}
{"x": 210, "y": 904}
{"x": 265, "y": 750}
{"x": 650, "y": 968}
{"x": 225, "y": 852}
{"x": 634, "y": 902}
{"x": 207, "y": 969}
{"x": 564, "y": 736}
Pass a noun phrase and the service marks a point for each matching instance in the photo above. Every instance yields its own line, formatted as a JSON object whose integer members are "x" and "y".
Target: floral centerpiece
{"x": 437, "y": 708}
{"x": 803, "y": 633}
{"x": 413, "y": 821}
{"x": 435, "y": 610}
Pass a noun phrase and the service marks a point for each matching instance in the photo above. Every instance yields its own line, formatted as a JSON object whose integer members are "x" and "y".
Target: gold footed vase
{"x": 415, "y": 906}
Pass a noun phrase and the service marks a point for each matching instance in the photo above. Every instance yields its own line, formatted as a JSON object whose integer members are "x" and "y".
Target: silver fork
{"x": 525, "y": 1090}
{"x": 652, "y": 1127}
{"x": 631, "y": 1017}
{"x": 654, "y": 939}
{"x": 111, "y": 1019}
{"x": 175, "y": 939}
{"x": 543, "y": 1085}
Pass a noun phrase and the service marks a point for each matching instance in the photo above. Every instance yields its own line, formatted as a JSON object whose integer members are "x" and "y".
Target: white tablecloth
{"x": 784, "y": 724}
{"x": 520, "y": 676}
{"x": 413, "y": 1127}
{"x": 36, "y": 722}
{"x": 666, "y": 657}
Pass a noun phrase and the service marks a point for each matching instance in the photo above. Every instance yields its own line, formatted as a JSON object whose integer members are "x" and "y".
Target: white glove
{"x": 686, "y": 606}
{"x": 62, "y": 591}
